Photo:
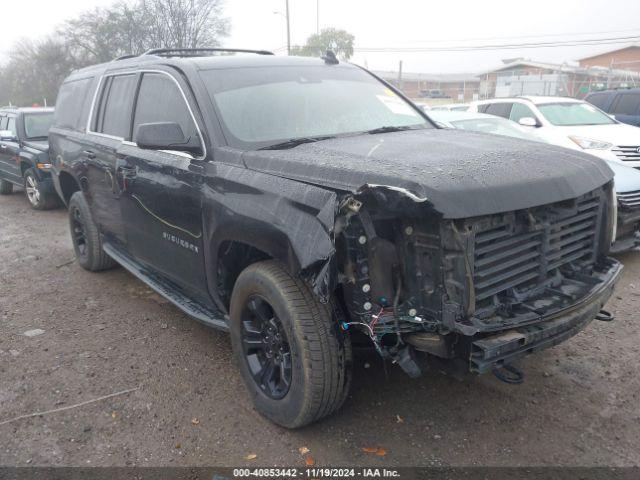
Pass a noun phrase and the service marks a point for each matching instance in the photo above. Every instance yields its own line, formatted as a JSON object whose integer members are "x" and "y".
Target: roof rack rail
{"x": 197, "y": 52}
{"x": 124, "y": 57}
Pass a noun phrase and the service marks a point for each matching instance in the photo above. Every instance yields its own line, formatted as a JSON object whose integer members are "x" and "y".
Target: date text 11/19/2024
{"x": 313, "y": 472}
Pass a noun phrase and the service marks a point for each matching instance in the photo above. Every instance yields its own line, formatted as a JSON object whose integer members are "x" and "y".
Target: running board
{"x": 168, "y": 290}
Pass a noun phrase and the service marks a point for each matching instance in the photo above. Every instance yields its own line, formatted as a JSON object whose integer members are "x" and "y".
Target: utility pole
{"x": 400, "y": 75}
{"x": 288, "y": 28}
{"x": 318, "y": 17}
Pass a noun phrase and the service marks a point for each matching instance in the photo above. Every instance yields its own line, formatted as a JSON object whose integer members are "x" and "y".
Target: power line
{"x": 546, "y": 35}
{"x": 465, "y": 48}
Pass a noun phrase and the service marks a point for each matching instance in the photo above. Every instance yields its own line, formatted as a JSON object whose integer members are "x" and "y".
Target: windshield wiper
{"x": 389, "y": 129}
{"x": 294, "y": 142}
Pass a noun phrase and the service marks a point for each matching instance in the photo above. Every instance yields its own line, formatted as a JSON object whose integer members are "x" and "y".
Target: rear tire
{"x": 6, "y": 188}
{"x": 33, "y": 190}
{"x": 85, "y": 236}
{"x": 319, "y": 353}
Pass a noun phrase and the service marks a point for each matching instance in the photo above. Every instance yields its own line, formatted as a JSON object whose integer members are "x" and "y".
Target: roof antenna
{"x": 330, "y": 58}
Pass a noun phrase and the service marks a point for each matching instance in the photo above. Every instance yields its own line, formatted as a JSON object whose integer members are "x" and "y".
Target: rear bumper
{"x": 495, "y": 350}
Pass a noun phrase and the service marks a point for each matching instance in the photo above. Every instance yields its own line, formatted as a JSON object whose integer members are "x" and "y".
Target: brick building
{"x": 456, "y": 86}
{"x": 626, "y": 58}
{"x": 525, "y": 77}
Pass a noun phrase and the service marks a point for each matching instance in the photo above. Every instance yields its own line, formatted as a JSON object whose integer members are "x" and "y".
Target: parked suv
{"x": 301, "y": 202}
{"x": 24, "y": 154}
{"x": 623, "y": 104}
{"x": 570, "y": 123}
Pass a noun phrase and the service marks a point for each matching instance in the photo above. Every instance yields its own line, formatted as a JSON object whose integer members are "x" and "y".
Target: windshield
{"x": 497, "y": 126}
{"x": 36, "y": 125}
{"x": 260, "y": 106}
{"x": 571, "y": 114}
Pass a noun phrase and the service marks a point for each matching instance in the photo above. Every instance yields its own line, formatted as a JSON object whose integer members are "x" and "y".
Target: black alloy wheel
{"x": 78, "y": 232}
{"x": 293, "y": 358}
{"x": 266, "y": 348}
{"x": 86, "y": 238}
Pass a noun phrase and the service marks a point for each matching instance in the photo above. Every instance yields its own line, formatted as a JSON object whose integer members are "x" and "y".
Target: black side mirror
{"x": 164, "y": 136}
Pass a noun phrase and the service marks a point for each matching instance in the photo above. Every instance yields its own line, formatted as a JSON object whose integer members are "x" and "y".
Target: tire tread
{"x": 326, "y": 355}
{"x": 97, "y": 259}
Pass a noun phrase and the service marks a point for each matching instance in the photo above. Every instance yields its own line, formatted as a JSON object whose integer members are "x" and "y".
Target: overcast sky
{"x": 402, "y": 23}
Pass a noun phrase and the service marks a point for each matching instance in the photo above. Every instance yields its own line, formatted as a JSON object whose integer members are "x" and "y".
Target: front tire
{"x": 6, "y": 188}
{"x": 293, "y": 358}
{"x": 32, "y": 188}
{"x": 85, "y": 236}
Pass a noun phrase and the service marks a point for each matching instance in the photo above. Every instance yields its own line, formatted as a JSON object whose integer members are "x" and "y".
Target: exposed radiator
{"x": 522, "y": 253}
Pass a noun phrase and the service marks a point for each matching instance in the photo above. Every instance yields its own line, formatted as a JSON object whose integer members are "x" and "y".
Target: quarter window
{"x": 499, "y": 109}
{"x": 627, "y": 104}
{"x": 3, "y": 123}
{"x": 160, "y": 100}
{"x": 114, "y": 112}
{"x": 70, "y": 103}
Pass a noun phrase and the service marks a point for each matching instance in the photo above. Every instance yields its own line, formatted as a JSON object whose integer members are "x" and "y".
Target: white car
{"x": 453, "y": 107}
{"x": 481, "y": 122}
{"x": 423, "y": 106}
{"x": 570, "y": 123}
{"x": 627, "y": 180}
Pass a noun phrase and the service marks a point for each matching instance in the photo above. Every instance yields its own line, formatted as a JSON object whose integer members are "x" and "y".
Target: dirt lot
{"x": 107, "y": 333}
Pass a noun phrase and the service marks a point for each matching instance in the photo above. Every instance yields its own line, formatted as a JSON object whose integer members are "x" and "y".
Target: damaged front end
{"x": 485, "y": 290}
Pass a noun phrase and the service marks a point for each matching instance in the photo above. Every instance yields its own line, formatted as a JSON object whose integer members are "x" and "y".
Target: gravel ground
{"x": 108, "y": 333}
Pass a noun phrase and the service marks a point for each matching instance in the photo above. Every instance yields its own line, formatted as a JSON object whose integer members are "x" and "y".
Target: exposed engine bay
{"x": 481, "y": 289}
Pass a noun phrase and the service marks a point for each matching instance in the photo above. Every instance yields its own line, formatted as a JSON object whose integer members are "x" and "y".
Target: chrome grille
{"x": 630, "y": 200}
{"x": 510, "y": 256}
{"x": 627, "y": 153}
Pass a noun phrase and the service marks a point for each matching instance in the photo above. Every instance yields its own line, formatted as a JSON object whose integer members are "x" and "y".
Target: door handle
{"x": 89, "y": 154}
{"x": 3, "y": 146}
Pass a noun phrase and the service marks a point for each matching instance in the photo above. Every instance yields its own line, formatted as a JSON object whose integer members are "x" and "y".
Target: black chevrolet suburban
{"x": 24, "y": 154}
{"x": 303, "y": 203}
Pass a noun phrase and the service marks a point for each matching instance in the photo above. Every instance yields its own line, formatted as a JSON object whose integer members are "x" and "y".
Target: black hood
{"x": 462, "y": 174}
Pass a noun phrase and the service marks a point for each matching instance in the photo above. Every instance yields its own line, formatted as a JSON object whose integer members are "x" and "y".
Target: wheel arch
{"x": 68, "y": 185}
{"x": 25, "y": 165}
{"x": 278, "y": 219}
{"x": 243, "y": 246}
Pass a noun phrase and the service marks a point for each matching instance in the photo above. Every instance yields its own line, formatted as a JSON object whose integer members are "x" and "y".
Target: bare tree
{"x": 103, "y": 34}
{"x": 186, "y": 23}
{"x": 34, "y": 72}
{"x": 35, "y": 69}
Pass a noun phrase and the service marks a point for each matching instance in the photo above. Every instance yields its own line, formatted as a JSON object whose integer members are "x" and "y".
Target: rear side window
{"x": 160, "y": 100}
{"x": 598, "y": 99}
{"x": 499, "y": 109}
{"x": 70, "y": 102}
{"x": 627, "y": 104}
{"x": 114, "y": 112}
